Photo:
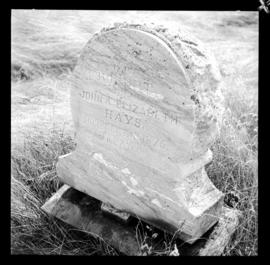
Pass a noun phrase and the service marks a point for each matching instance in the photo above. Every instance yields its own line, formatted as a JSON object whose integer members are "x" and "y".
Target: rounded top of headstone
{"x": 151, "y": 82}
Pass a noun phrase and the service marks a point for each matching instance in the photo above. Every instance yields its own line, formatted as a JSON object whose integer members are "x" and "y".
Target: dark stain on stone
{"x": 198, "y": 52}
{"x": 202, "y": 127}
{"x": 190, "y": 42}
{"x": 195, "y": 99}
{"x": 136, "y": 53}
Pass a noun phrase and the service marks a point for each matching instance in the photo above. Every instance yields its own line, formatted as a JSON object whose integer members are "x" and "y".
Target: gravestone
{"x": 145, "y": 103}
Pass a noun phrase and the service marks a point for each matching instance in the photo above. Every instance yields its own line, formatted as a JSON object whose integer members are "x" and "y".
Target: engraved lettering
{"x": 108, "y": 113}
{"x": 123, "y": 104}
{"x": 118, "y": 117}
{"x": 129, "y": 118}
{"x": 137, "y": 122}
{"x": 122, "y": 118}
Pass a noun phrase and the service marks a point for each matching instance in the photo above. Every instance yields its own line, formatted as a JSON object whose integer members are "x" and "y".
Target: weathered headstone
{"x": 145, "y": 104}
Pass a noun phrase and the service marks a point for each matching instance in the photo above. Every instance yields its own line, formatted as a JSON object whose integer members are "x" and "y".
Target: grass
{"x": 234, "y": 169}
{"x": 45, "y": 46}
{"x": 33, "y": 181}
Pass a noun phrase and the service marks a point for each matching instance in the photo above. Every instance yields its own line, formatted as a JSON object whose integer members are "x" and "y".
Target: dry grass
{"x": 46, "y": 45}
{"x": 234, "y": 169}
{"x": 33, "y": 181}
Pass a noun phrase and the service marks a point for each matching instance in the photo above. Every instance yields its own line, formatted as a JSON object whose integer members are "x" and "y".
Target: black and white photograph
{"x": 134, "y": 132}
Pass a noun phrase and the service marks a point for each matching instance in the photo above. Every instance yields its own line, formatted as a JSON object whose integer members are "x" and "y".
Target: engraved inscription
{"x": 121, "y": 103}
{"x": 120, "y": 138}
{"x": 122, "y": 118}
{"x": 114, "y": 78}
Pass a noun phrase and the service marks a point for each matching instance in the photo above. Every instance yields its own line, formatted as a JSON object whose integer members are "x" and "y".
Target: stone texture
{"x": 146, "y": 106}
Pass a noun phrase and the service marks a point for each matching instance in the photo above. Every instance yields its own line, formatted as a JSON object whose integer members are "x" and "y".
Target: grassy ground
{"x": 45, "y": 47}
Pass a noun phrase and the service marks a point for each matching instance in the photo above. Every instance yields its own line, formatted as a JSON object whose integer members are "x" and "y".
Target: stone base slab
{"x": 85, "y": 213}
